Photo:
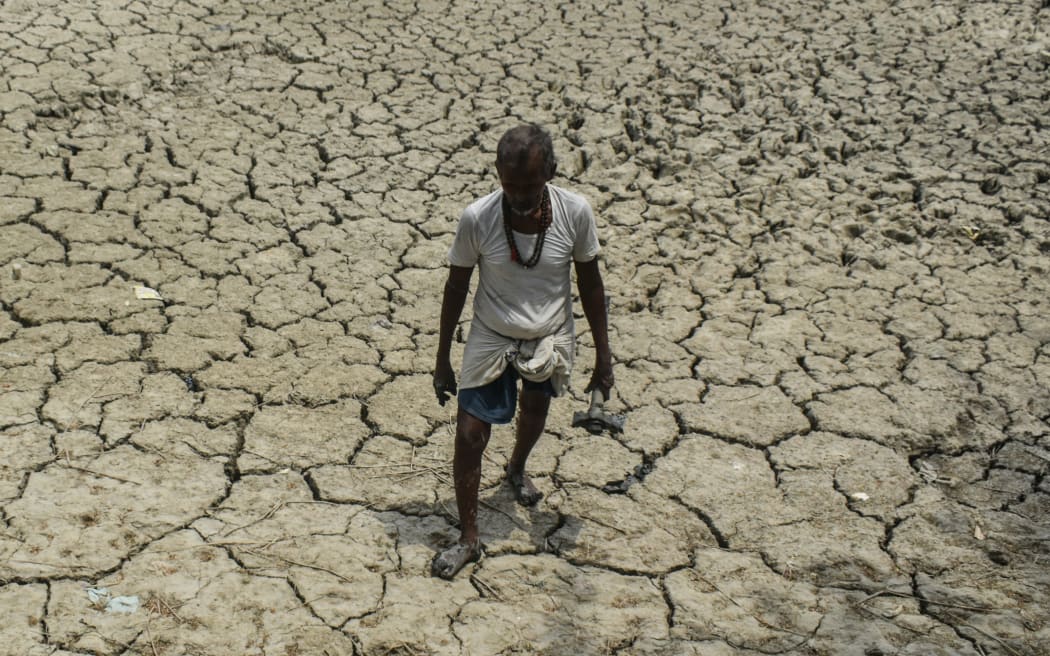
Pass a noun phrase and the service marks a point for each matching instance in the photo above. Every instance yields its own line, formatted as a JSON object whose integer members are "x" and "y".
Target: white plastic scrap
{"x": 859, "y": 496}
{"x": 147, "y": 294}
{"x": 125, "y": 604}
{"x": 973, "y": 232}
{"x": 929, "y": 474}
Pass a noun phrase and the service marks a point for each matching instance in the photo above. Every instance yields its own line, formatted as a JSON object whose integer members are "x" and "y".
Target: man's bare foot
{"x": 524, "y": 491}
{"x": 447, "y": 563}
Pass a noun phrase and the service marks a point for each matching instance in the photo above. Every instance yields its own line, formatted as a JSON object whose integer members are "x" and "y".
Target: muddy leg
{"x": 532, "y": 417}
{"x": 472, "y": 436}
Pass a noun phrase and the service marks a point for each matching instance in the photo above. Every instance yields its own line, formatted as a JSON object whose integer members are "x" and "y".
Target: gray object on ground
{"x": 596, "y": 420}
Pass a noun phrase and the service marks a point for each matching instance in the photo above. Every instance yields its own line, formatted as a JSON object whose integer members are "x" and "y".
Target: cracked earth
{"x": 826, "y": 244}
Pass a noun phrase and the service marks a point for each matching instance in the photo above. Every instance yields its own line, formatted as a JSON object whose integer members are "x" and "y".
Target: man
{"x": 522, "y": 239}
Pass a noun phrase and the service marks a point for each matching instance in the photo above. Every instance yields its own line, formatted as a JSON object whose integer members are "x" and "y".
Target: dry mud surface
{"x": 826, "y": 244}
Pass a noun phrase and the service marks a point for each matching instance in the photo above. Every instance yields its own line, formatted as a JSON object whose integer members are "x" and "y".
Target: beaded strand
{"x": 546, "y": 217}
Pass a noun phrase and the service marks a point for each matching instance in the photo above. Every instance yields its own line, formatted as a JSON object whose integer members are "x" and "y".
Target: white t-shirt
{"x": 511, "y": 300}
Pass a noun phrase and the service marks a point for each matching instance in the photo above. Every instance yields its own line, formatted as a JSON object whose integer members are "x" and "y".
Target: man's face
{"x": 523, "y": 185}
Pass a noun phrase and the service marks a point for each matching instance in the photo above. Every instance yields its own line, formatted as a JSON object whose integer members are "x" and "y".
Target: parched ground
{"x": 827, "y": 247}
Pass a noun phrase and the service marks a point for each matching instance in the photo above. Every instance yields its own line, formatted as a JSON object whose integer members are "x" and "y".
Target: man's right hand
{"x": 444, "y": 382}
{"x": 602, "y": 379}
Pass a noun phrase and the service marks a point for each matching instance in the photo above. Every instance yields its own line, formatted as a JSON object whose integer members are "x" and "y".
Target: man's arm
{"x": 592, "y": 295}
{"x": 452, "y": 302}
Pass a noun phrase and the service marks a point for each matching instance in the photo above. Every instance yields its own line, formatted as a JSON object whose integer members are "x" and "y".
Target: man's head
{"x": 525, "y": 163}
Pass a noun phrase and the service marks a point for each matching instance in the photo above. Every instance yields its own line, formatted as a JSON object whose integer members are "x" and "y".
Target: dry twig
{"x": 299, "y": 564}
{"x": 1005, "y": 646}
{"x": 488, "y": 589}
{"x": 267, "y": 515}
{"x": 149, "y": 635}
{"x": 506, "y": 514}
{"x": 601, "y": 523}
{"x": 101, "y": 475}
{"x": 73, "y": 417}
{"x": 751, "y": 614}
{"x": 905, "y": 595}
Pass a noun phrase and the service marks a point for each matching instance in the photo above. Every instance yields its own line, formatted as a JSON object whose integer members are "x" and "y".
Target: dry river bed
{"x": 826, "y": 243}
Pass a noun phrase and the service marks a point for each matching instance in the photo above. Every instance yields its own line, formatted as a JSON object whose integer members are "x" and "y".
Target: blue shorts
{"x": 495, "y": 402}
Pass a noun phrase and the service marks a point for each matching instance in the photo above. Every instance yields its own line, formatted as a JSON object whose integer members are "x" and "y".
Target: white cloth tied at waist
{"x": 488, "y": 353}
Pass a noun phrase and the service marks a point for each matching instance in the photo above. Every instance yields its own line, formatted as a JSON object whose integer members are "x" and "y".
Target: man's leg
{"x": 532, "y": 417}
{"x": 472, "y": 436}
